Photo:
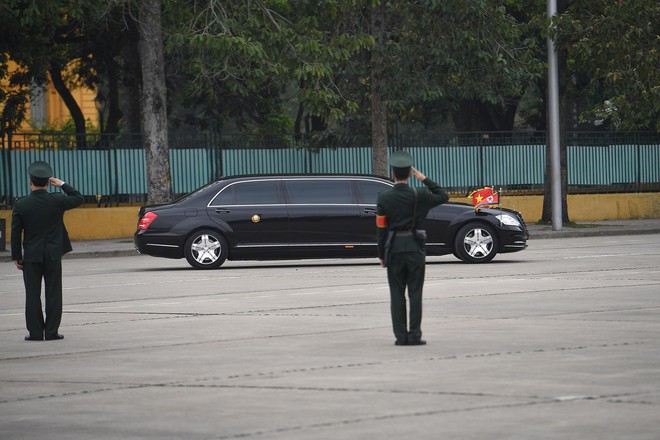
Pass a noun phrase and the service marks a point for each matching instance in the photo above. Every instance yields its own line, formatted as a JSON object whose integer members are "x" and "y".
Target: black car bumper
{"x": 158, "y": 245}
{"x": 514, "y": 239}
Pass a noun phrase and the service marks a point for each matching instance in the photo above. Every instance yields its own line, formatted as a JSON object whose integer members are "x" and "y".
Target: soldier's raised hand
{"x": 418, "y": 174}
{"x": 56, "y": 182}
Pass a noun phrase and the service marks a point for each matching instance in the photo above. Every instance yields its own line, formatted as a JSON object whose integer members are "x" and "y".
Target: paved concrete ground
{"x": 124, "y": 246}
{"x": 557, "y": 342}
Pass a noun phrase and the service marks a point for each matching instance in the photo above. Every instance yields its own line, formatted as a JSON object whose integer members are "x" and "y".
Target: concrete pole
{"x": 553, "y": 126}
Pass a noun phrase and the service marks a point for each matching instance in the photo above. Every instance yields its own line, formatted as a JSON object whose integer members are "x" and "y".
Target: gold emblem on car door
{"x": 256, "y": 218}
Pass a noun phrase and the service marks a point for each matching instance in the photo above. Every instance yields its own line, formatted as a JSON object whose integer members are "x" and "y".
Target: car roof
{"x": 227, "y": 180}
{"x": 301, "y": 176}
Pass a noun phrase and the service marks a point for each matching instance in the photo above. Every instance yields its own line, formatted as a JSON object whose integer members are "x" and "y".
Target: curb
{"x": 85, "y": 254}
{"x": 533, "y": 235}
{"x": 541, "y": 235}
{"x": 101, "y": 254}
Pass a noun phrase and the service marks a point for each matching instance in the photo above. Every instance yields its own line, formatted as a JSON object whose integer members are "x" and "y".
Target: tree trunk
{"x": 473, "y": 115}
{"x": 563, "y": 150}
{"x": 378, "y": 105}
{"x": 154, "y": 103}
{"x": 114, "y": 112}
{"x": 70, "y": 102}
{"x": 129, "y": 95}
{"x": 564, "y": 101}
{"x": 300, "y": 115}
{"x": 297, "y": 126}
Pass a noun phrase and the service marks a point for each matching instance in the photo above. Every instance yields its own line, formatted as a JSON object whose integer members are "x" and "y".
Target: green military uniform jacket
{"x": 37, "y": 226}
{"x": 394, "y": 212}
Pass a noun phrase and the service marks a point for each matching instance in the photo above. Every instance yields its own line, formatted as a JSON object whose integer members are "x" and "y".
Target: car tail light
{"x": 146, "y": 220}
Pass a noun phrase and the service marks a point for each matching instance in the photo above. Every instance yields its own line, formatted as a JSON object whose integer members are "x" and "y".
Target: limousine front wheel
{"x": 206, "y": 250}
{"x": 475, "y": 243}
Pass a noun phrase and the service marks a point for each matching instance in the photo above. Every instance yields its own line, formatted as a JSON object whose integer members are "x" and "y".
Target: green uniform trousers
{"x": 51, "y": 272}
{"x": 406, "y": 269}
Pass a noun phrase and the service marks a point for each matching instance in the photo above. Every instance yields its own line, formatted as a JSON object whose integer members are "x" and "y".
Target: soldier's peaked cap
{"x": 401, "y": 159}
{"x": 40, "y": 169}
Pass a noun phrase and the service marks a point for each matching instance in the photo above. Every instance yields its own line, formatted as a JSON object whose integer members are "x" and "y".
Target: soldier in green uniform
{"x": 38, "y": 241}
{"x": 400, "y": 215}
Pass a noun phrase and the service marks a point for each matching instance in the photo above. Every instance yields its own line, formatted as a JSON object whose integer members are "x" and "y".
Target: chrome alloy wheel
{"x": 206, "y": 249}
{"x": 478, "y": 243}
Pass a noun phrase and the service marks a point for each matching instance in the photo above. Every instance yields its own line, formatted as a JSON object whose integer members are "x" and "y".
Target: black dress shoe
{"x": 417, "y": 342}
{"x": 54, "y": 337}
{"x": 400, "y": 342}
{"x": 33, "y": 338}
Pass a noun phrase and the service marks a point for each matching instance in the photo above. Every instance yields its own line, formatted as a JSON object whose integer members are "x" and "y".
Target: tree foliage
{"x": 47, "y": 40}
{"x": 613, "y": 50}
{"x": 247, "y": 55}
{"x": 440, "y": 59}
{"x": 282, "y": 65}
{"x": 451, "y": 51}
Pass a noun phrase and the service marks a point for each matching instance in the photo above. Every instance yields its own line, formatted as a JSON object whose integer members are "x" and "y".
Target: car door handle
{"x": 369, "y": 211}
{"x": 222, "y": 211}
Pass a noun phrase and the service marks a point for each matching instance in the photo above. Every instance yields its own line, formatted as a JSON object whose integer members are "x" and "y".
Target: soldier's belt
{"x": 418, "y": 234}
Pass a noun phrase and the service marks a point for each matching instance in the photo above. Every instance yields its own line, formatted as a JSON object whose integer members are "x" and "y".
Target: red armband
{"x": 381, "y": 221}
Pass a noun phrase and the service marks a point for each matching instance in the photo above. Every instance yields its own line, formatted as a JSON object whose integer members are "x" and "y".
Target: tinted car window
{"x": 369, "y": 191}
{"x": 319, "y": 192}
{"x": 194, "y": 193}
{"x": 249, "y": 193}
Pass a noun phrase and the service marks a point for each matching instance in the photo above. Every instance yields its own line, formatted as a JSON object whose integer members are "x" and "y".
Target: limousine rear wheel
{"x": 476, "y": 243}
{"x": 206, "y": 249}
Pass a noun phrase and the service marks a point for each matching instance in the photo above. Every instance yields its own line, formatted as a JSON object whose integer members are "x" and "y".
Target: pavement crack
{"x": 391, "y": 416}
{"x": 408, "y": 415}
{"x": 313, "y": 369}
{"x": 73, "y": 393}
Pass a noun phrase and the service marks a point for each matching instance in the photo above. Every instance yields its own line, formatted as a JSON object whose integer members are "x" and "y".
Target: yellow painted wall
{"x": 591, "y": 207}
{"x": 56, "y": 111}
{"x": 106, "y": 223}
{"x": 94, "y": 223}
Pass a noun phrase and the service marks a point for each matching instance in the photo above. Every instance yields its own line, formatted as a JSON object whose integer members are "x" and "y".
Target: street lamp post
{"x": 553, "y": 126}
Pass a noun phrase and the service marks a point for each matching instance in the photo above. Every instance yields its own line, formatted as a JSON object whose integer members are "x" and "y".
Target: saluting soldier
{"x": 38, "y": 242}
{"x": 400, "y": 215}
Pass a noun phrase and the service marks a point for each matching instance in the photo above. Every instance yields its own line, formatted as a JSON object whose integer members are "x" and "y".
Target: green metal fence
{"x": 112, "y": 169}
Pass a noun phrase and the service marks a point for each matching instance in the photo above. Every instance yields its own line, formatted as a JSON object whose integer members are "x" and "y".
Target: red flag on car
{"x": 485, "y": 197}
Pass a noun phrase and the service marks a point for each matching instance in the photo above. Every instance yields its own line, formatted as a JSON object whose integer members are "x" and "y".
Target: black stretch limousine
{"x": 319, "y": 216}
